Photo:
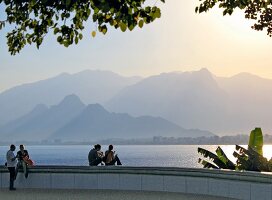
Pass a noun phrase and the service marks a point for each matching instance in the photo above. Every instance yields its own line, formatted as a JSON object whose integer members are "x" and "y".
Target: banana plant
{"x": 256, "y": 140}
{"x": 218, "y": 160}
{"x": 250, "y": 159}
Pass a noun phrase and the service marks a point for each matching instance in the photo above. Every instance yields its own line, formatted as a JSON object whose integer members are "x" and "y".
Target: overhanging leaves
{"x": 34, "y": 19}
{"x": 258, "y": 10}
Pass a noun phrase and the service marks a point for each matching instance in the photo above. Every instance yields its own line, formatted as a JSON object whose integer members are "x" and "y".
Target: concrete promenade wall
{"x": 239, "y": 185}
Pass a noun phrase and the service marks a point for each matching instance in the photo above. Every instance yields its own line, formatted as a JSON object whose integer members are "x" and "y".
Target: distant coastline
{"x": 156, "y": 140}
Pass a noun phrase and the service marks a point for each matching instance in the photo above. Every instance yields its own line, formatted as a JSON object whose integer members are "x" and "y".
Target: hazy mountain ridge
{"x": 39, "y": 126}
{"x": 184, "y": 98}
{"x": 92, "y": 86}
{"x": 249, "y": 101}
{"x": 71, "y": 120}
{"x": 201, "y": 100}
{"x": 195, "y": 99}
{"x": 97, "y": 123}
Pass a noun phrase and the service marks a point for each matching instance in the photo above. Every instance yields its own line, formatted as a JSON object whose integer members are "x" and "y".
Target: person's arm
{"x": 98, "y": 155}
{"x": 26, "y": 154}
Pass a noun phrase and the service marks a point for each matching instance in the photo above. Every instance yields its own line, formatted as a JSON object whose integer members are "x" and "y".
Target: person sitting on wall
{"x": 110, "y": 158}
{"x": 23, "y": 160}
{"x": 95, "y": 155}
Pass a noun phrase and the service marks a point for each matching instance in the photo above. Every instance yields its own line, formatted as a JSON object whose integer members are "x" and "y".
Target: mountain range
{"x": 71, "y": 120}
{"x": 193, "y": 100}
{"x": 199, "y": 99}
{"x": 92, "y": 86}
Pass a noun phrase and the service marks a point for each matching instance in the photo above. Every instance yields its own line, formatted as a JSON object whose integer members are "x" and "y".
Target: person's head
{"x": 12, "y": 147}
{"x": 22, "y": 147}
{"x": 110, "y": 147}
{"x": 97, "y": 147}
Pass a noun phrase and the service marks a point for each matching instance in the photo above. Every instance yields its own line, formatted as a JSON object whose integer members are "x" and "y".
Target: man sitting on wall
{"x": 95, "y": 155}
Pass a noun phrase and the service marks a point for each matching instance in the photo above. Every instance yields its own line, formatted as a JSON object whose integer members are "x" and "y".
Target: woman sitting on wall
{"x": 23, "y": 160}
{"x": 110, "y": 158}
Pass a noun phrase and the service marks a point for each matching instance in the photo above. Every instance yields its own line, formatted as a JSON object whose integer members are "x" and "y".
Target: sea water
{"x": 130, "y": 155}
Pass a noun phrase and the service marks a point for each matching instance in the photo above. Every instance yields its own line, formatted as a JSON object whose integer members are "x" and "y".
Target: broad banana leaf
{"x": 222, "y": 156}
{"x": 214, "y": 158}
{"x": 207, "y": 164}
{"x": 249, "y": 159}
{"x": 259, "y": 162}
{"x": 243, "y": 150}
{"x": 256, "y": 140}
{"x": 242, "y": 162}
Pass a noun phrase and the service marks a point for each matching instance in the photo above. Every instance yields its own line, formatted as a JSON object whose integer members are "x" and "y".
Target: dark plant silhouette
{"x": 250, "y": 159}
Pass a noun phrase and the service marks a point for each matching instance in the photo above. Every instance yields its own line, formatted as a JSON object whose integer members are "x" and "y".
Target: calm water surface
{"x": 130, "y": 155}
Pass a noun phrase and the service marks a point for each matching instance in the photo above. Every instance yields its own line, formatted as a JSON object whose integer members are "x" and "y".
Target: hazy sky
{"x": 180, "y": 41}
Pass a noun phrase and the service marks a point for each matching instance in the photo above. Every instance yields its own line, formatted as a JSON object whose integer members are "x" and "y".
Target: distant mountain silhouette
{"x": 190, "y": 99}
{"x": 97, "y": 123}
{"x": 201, "y": 100}
{"x": 71, "y": 120}
{"x": 249, "y": 103}
{"x": 43, "y": 121}
{"x": 92, "y": 86}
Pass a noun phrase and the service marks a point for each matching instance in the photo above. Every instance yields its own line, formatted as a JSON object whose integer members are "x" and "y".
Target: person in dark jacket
{"x": 95, "y": 155}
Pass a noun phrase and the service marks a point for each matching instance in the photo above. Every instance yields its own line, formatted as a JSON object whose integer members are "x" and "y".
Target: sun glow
{"x": 267, "y": 151}
{"x": 229, "y": 149}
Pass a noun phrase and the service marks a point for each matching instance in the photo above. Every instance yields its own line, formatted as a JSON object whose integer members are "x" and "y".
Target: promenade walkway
{"x": 54, "y": 194}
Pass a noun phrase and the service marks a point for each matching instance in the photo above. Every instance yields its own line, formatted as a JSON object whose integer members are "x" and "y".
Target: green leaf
{"x": 222, "y": 156}
{"x": 157, "y": 13}
{"x": 56, "y": 30}
{"x": 80, "y": 36}
{"x": 59, "y": 39}
{"x": 196, "y": 9}
{"x": 123, "y": 26}
{"x": 207, "y": 164}
{"x": 104, "y": 30}
{"x": 93, "y": 33}
{"x": 214, "y": 158}
{"x": 256, "y": 140}
{"x": 141, "y": 23}
{"x": 131, "y": 27}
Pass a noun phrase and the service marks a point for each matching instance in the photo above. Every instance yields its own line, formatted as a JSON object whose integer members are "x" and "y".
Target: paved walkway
{"x": 54, "y": 194}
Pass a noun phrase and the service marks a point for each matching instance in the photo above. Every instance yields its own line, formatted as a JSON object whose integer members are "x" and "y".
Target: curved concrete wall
{"x": 239, "y": 185}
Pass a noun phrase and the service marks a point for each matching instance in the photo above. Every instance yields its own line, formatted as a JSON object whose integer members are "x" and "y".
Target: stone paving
{"x": 59, "y": 194}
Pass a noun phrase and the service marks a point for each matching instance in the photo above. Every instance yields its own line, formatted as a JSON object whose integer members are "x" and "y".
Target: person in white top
{"x": 11, "y": 164}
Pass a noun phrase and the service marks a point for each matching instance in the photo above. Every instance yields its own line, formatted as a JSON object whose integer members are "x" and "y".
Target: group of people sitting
{"x": 97, "y": 157}
{"x": 22, "y": 160}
